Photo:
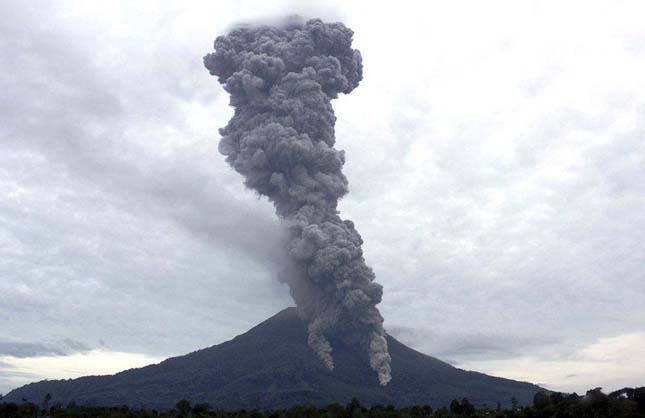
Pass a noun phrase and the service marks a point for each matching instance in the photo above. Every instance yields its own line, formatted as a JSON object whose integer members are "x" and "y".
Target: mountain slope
{"x": 271, "y": 366}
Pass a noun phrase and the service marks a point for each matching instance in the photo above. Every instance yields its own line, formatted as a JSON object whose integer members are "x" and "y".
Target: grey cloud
{"x": 16, "y": 349}
{"x": 97, "y": 208}
{"x": 87, "y": 139}
{"x": 458, "y": 346}
{"x": 555, "y": 257}
{"x": 33, "y": 349}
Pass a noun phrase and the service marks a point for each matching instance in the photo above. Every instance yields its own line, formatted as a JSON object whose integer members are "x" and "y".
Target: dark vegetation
{"x": 272, "y": 367}
{"x": 625, "y": 403}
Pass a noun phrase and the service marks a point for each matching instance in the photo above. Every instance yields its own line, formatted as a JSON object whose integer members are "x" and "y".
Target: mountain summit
{"x": 271, "y": 366}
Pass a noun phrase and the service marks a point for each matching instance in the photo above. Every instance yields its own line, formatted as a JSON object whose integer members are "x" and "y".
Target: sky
{"x": 496, "y": 159}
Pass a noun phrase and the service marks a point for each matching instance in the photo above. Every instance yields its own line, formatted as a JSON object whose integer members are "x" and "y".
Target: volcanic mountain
{"x": 271, "y": 366}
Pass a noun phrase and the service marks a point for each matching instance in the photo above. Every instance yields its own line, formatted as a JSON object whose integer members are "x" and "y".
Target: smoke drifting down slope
{"x": 281, "y": 139}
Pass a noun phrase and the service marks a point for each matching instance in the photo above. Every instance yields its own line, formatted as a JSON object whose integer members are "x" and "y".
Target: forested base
{"x": 625, "y": 403}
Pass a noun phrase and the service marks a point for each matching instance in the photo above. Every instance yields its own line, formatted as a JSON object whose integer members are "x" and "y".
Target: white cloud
{"x": 96, "y": 362}
{"x": 614, "y": 363}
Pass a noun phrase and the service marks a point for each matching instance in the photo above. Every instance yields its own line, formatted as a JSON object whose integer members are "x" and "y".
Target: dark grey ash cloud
{"x": 281, "y": 139}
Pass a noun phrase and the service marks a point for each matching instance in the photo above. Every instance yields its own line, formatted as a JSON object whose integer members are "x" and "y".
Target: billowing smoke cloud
{"x": 281, "y": 138}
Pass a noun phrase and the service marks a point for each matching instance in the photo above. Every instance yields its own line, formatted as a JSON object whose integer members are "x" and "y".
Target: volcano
{"x": 271, "y": 367}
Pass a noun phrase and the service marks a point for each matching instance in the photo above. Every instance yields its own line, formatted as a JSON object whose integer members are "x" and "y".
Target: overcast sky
{"x": 496, "y": 160}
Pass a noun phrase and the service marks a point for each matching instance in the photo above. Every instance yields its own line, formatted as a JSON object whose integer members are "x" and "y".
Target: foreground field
{"x": 626, "y": 403}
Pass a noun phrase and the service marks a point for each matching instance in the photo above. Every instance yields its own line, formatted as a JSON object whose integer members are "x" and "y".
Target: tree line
{"x": 624, "y": 403}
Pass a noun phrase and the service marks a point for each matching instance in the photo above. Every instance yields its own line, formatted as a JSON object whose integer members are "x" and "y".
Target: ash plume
{"x": 281, "y": 139}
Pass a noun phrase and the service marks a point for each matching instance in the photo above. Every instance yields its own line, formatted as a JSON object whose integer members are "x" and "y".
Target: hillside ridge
{"x": 271, "y": 366}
